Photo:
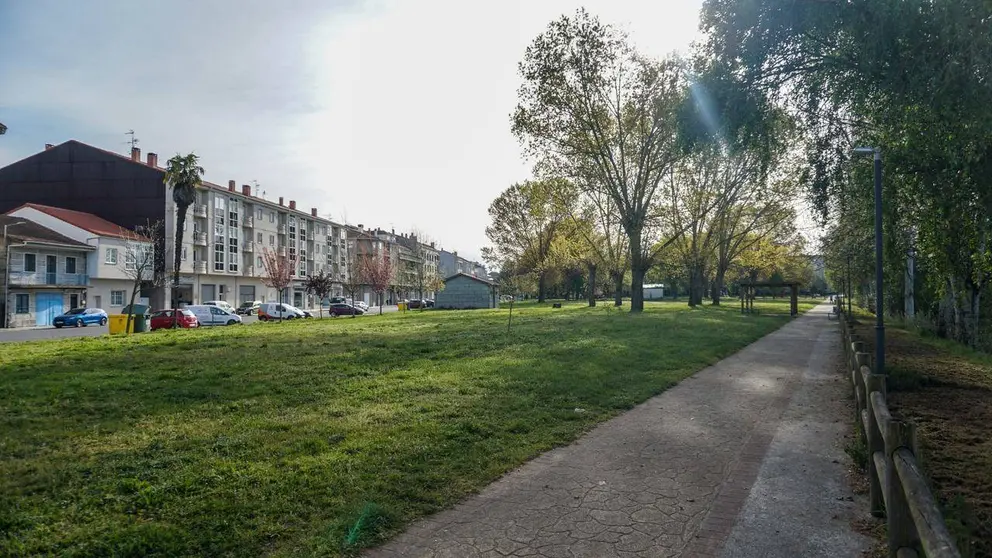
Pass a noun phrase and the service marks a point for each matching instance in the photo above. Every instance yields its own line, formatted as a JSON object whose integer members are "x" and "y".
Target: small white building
{"x": 108, "y": 246}
{"x": 655, "y": 291}
{"x": 462, "y": 290}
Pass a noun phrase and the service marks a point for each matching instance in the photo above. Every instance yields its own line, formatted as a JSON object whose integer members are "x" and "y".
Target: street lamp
{"x": 6, "y": 271}
{"x": 876, "y": 152}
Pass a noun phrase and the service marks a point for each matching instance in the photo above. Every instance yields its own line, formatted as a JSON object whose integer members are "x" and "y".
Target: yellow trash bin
{"x": 118, "y": 322}
{"x": 401, "y": 306}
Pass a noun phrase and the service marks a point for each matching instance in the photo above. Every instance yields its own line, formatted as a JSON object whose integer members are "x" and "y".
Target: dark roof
{"x": 479, "y": 279}
{"x": 86, "y": 221}
{"x": 29, "y": 231}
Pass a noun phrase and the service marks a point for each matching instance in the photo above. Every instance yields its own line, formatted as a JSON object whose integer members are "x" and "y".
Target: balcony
{"x": 199, "y": 238}
{"x": 200, "y": 210}
{"x": 32, "y": 278}
{"x": 310, "y": 256}
{"x": 281, "y": 251}
{"x": 248, "y": 247}
{"x": 282, "y": 229}
{"x": 199, "y": 267}
{"x": 248, "y": 271}
{"x": 248, "y": 221}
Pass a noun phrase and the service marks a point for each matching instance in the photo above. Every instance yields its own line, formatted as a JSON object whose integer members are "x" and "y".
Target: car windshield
{"x": 75, "y": 311}
{"x": 188, "y": 314}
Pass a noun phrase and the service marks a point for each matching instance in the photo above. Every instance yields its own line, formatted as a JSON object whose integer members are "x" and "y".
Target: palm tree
{"x": 182, "y": 174}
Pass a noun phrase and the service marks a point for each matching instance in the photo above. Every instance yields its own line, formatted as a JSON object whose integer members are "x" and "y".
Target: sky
{"x": 388, "y": 113}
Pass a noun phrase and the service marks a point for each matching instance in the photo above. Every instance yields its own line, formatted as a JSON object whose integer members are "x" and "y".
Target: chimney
{"x": 246, "y": 189}
{"x": 136, "y": 154}
{"x": 230, "y": 185}
{"x": 361, "y": 227}
{"x": 313, "y": 211}
{"x": 152, "y": 159}
{"x": 394, "y": 232}
{"x": 280, "y": 200}
{"x": 432, "y": 245}
{"x": 48, "y": 146}
{"x": 292, "y": 204}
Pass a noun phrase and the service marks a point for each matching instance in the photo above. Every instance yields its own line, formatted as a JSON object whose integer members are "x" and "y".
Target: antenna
{"x": 133, "y": 141}
{"x": 255, "y": 184}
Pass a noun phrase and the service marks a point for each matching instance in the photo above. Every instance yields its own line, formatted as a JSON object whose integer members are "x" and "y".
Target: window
{"x": 117, "y": 298}
{"x": 272, "y": 216}
{"x": 260, "y": 238}
{"x": 219, "y": 203}
{"x": 258, "y": 262}
{"x": 70, "y": 265}
{"x": 22, "y": 303}
{"x": 272, "y": 240}
{"x": 219, "y": 253}
{"x": 258, "y": 214}
{"x": 30, "y": 262}
{"x": 184, "y": 253}
{"x": 130, "y": 261}
{"x": 111, "y": 257}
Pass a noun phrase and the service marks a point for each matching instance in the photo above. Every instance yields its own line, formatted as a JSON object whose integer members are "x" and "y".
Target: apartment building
{"x": 225, "y": 232}
{"x": 450, "y": 263}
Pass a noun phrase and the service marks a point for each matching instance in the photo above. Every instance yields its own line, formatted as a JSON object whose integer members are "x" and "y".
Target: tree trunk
{"x": 717, "y": 290}
{"x": 178, "y": 259}
{"x": 592, "y": 285}
{"x": 130, "y": 310}
{"x": 618, "y": 288}
{"x": 541, "y": 286}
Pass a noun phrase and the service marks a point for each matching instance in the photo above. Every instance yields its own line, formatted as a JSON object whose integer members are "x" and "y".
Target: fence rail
{"x": 897, "y": 487}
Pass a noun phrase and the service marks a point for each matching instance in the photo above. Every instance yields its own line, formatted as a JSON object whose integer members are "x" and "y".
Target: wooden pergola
{"x": 748, "y": 293}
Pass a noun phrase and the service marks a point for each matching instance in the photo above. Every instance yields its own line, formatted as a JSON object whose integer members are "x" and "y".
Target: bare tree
{"x": 278, "y": 271}
{"x": 353, "y": 281}
{"x": 319, "y": 285}
{"x": 139, "y": 260}
{"x": 377, "y": 272}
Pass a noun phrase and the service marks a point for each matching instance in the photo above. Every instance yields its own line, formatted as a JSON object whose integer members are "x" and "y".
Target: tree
{"x": 183, "y": 174}
{"x": 140, "y": 259}
{"x": 526, "y": 219}
{"x": 377, "y": 272}
{"x": 353, "y": 282}
{"x": 593, "y": 110}
{"x": 278, "y": 271}
{"x": 319, "y": 285}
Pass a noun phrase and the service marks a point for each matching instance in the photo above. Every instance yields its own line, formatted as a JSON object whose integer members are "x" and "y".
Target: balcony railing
{"x": 32, "y": 278}
{"x": 282, "y": 229}
{"x": 248, "y": 271}
{"x": 200, "y": 238}
{"x": 248, "y": 247}
{"x": 199, "y": 210}
{"x": 248, "y": 221}
{"x": 199, "y": 267}
{"x": 282, "y": 251}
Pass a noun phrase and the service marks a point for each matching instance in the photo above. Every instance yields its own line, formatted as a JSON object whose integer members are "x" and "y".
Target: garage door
{"x": 47, "y": 306}
{"x": 246, "y": 293}
{"x": 208, "y": 292}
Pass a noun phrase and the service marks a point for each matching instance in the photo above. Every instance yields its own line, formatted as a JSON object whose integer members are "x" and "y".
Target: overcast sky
{"x": 390, "y": 113}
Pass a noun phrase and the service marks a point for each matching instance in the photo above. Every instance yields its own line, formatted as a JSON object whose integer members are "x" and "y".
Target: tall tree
{"x": 594, "y": 110}
{"x": 140, "y": 259}
{"x": 319, "y": 285}
{"x": 526, "y": 220}
{"x": 377, "y": 272}
{"x": 183, "y": 174}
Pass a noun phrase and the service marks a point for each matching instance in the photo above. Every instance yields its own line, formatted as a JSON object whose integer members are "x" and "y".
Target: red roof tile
{"x": 85, "y": 221}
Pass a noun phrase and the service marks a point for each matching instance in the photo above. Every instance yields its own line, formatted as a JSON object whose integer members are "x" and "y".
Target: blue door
{"x": 47, "y": 306}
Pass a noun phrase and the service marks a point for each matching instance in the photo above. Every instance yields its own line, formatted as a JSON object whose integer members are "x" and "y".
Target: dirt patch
{"x": 947, "y": 392}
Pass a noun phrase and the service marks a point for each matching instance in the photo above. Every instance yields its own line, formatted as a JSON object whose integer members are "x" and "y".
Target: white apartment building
{"x": 226, "y": 233}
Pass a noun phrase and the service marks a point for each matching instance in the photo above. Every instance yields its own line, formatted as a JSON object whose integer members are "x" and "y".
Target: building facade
{"x": 225, "y": 232}
{"x": 450, "y": 263}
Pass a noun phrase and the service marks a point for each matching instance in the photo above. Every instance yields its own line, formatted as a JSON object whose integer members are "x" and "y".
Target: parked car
{"x": 220, "y": 304}
{"x": 279, "y": 311}
{"x": 344, "y": 309}
{"x": 415, "y": 303}
{"x": 163, "y": 319}
{"x": 429, "y": 303}
{"x": 213, "y": 315}
{"x": 360, "y": 304}
{"x": 248, "y": 308}
{"x": 339, "y": 299}
{"x": 78, "y": 317}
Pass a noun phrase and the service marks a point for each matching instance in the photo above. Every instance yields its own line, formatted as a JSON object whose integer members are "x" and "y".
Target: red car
{"x": 163, "y": 319}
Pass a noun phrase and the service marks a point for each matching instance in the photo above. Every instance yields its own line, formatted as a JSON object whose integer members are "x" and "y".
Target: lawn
{"x": 317, "y": 437}
{"x": 946, "y": 390}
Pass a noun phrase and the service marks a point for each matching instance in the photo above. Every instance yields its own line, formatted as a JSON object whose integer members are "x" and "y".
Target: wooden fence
{"x": 898, "y": 490}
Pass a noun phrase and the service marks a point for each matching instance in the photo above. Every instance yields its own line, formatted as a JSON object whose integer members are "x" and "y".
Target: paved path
{"x": 676, "y": 476}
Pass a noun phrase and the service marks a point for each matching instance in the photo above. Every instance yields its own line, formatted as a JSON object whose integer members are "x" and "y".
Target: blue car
{"x": 81, "y": 317}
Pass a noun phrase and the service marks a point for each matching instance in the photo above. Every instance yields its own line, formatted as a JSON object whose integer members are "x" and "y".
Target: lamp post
{"x": 6, "y": 271}
{"x": 876, "y": 152}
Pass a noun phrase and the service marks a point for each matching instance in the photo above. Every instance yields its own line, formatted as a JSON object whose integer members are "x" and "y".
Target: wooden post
{"x": 794, "y": 303}
{"x": 902, "y": 531}
{"x": 876, "y": 443}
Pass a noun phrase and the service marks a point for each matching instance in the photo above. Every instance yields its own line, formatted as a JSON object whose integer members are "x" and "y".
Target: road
{"x": 44, "y": 333}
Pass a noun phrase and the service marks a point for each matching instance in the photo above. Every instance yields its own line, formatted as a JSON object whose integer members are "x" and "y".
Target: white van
{"x": 213, "y": 315}
{"x": 278, "y": 311}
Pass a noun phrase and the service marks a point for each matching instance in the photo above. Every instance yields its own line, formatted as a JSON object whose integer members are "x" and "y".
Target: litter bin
{"x": 139, "y": 319}
{"x": 401, "y": 306}
{"x": 118, "y": 322}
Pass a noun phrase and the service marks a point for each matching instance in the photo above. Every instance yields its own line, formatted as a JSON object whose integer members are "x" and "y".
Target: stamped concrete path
{"x": 743, "y": 459}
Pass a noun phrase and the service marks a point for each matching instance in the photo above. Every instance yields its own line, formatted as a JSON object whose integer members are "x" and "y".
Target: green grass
{"x": 318, "y": 437}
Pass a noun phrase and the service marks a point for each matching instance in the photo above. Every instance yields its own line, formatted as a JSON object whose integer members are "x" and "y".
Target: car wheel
{"x": 79, "y": 323}
{"x": 231, "y": 322}
{"x": 57, "y": 326}
{"x": 103, "y": 321}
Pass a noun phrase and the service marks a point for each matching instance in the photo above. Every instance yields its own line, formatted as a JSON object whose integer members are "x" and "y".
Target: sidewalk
{"x": 742, "y": 459}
